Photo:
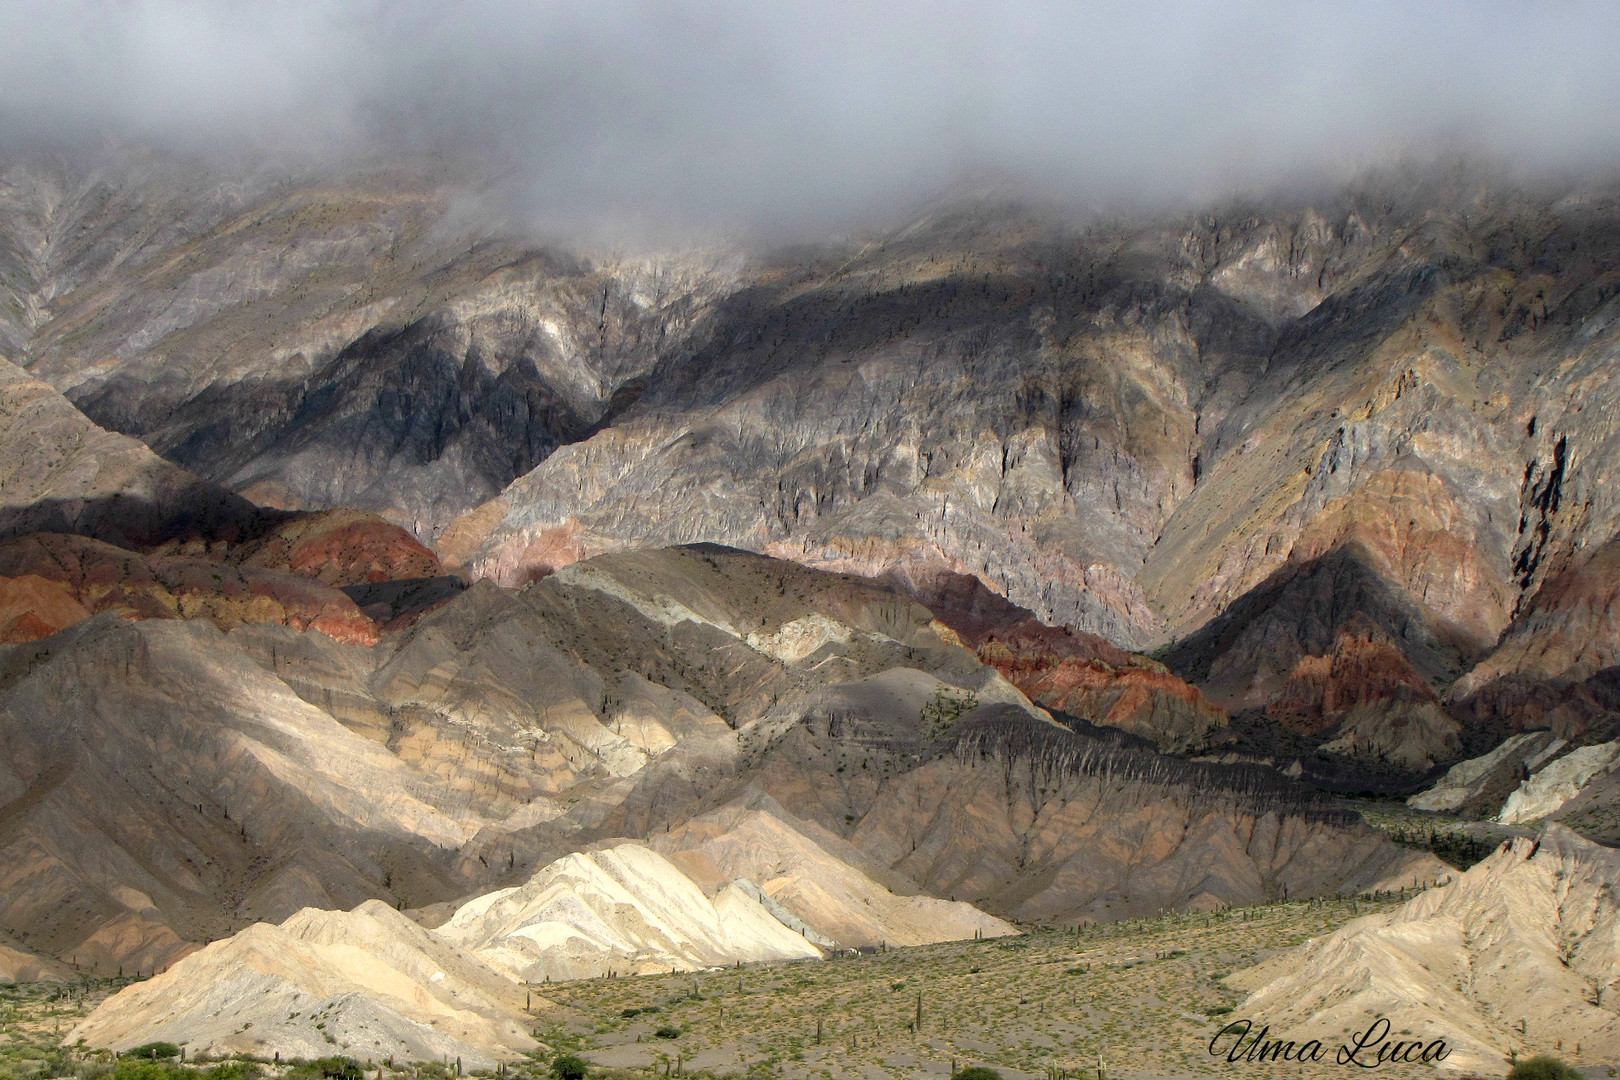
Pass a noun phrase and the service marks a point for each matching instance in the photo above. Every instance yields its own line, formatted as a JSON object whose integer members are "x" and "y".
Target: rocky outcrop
{"x": 1558, "y": 781}
{"x": 1478, "y": 787}
{"x": 830, "y": 889}
{"x": 369, "y": 984}
{"x": 1530, "y": 776}
{"x": 624, "y": 909}
{"x": 100, "y": 577}
{"x": 32, "y": 607}
{"x": 1555, "y": 664}
{"x": 1080, "y": 674}
{"x": 1512, "y": 956}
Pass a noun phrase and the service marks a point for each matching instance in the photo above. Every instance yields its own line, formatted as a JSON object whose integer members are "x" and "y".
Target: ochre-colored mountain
{"x": 100, "y": 577}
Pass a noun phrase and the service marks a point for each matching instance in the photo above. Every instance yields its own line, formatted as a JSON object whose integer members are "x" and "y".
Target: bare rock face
{"x": 1514, "y": 955}
{"x": 165, "y": 783}
{"x": 1368, "y": 697}
{"x": 162, "y": 790}
{"x": 1031, "y": 821}
{"x": 1554, "y": 665}
{"x": 100, "y": 577}
{"x": 1478, "y": 786}
{"x": 1380, "y": 411}
{"x": 624, "y": 909}
{"x": 1080, "y": 674}
{"x": 816, "y": 881}
{"x": 368, "y": 983}
{"x": 32, "y": 607}
{"x": 336, "y": 547}
{"x": 317, "y": 341}
{"x": 1557, "y": 782}
{"x": 1331, "y": 650}
{"x": 62, "y": 473}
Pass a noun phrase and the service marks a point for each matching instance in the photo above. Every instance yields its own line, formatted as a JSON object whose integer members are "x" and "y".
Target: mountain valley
{"x": 377, "y": 581}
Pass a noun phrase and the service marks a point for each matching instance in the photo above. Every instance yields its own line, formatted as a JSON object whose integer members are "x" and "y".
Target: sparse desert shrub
{"x": 1543, "y": 1067}
{"x": 946, "y": 709}
{"x": 976, "y": 1072}
{"x": 569, "y": 1067}
{"x": 667, "y": 1032}
{"x": 130, "y": 1068}
{"x": 235, "y": 1070}
{"x": 327, "y": 1068}
{"x": 153, "y": 1051}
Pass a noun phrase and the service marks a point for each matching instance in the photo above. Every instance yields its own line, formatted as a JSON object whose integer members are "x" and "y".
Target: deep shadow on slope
{"x": 395, "y": 399}
{"x": 1299, "y": 611}
{"x": 198, "y": 511}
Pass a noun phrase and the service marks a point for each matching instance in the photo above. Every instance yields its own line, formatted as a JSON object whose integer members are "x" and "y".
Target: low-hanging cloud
{"x": 808, "y": 114}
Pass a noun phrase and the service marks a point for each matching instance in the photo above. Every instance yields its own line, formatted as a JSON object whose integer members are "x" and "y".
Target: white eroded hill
{"x": 369, "y": 983}
{"x": 625, "y": 909}
{"x": 1522, "y": 952}
{"x": 818, "y": 880}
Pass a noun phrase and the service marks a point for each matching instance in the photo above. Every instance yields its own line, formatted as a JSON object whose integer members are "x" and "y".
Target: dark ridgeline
{"x": 1006, "y": 735}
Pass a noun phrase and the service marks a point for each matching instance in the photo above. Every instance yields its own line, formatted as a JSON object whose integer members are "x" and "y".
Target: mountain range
{"x": 1000, "y": 568}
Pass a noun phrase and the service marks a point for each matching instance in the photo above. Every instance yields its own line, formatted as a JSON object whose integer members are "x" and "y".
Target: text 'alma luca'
{"x": 1368, "y": 1049}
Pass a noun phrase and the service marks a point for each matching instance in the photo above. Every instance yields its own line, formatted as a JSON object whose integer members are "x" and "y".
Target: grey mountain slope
{"x": 1125, "y": 424}
{"x": 63, "y": 473}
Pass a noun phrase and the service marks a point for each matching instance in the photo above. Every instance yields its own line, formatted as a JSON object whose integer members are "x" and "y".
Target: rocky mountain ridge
{"x": 355, "y": 551}
{"x": 1268, "y": 432}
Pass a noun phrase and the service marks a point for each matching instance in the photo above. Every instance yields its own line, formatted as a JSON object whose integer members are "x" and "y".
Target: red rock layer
{"x": 32, "y": 607}
{"x": 1062, "y": 668}
{"x": 1555, "y": 665}
{"x": 1358, "y": 671}
{"x": 101, "y": 577}
{"x": 1140, "y": 697}
{"x": 339, "y": 547}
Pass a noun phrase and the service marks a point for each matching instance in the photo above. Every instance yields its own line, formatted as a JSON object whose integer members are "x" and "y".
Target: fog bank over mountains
{"x": 634, "y": 117}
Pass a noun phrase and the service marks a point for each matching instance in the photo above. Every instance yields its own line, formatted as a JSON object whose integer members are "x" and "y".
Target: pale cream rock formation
{"x": 624, "y": 909}
{"x": 1473, "y": 779}
{"x": 821, "y": 880}
{"x": 1557, "y": 782}
{"x": 1528, "y": 939}
{"x": 367, "y": 983}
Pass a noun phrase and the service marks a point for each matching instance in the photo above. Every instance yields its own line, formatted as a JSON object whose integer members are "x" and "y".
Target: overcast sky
{"x": 808, "y": 113}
